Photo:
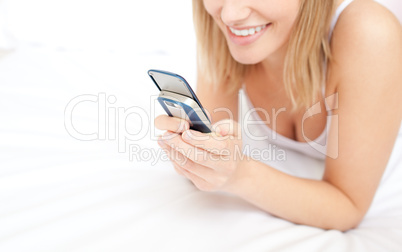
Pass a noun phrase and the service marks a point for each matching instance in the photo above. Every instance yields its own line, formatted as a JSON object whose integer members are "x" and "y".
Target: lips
{"x": 246, "y": 35}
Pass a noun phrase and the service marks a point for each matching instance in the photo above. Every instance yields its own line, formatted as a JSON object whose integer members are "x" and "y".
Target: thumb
{"x": 227, "y": 127}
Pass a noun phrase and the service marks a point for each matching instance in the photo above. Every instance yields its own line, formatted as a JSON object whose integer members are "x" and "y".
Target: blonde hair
{"x": 308, "y": 50}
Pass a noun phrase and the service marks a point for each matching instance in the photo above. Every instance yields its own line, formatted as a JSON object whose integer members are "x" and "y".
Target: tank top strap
{"x": 338, "y": 12}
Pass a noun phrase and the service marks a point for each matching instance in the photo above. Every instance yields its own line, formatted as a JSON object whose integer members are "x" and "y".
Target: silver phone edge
{"x": 189, "y": 102}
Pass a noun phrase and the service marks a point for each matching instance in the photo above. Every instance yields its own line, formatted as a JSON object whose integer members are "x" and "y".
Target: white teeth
{"x": 247, "y": 32}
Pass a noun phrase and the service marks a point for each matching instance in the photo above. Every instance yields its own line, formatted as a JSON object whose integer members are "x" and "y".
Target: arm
{"x": 367, "y": 75}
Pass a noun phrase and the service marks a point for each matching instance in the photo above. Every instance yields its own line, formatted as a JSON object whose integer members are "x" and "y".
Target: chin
{"x": 246, "y": 58}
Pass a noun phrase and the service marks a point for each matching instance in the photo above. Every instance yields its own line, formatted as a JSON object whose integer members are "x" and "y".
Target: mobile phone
{"x": 179, "y": 100}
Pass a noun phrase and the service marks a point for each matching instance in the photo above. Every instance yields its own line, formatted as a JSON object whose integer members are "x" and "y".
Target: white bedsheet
{"x": 58, "y": 193}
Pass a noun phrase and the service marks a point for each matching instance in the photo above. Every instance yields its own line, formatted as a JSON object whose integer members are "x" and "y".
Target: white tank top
{"x": 303, "y": 159}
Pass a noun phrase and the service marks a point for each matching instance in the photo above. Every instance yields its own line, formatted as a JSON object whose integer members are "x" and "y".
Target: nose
{"x": 235, "y": 12}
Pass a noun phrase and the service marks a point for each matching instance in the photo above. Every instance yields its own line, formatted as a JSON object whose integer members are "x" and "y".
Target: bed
{"x": 80, "y": 169}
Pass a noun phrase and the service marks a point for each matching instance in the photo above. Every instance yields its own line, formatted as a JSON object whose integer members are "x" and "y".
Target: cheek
{"x": 284, "y": 29}
{"x": 293, "y": 14}
{"x": 212, "y": 7}
{"x": 285, "y": 23}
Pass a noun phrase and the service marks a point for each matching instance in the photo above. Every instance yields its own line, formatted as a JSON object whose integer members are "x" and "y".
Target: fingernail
{"x": 168, "y": 135}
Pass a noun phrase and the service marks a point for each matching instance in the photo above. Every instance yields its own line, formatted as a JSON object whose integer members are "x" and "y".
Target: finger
{"x": 173, "y": 124}
{"x": 186, "y": 164}
{"x": 215, "y": 144}
{"x": 176, "y": 157}
{"x": 169, "y": 135}
{"x": 162, "y": 145}
{"x": 178, "y": 169}
{"x": 167, "y": 149}
{"x": 227, "y": 127}
{"x": 200, "y": 183}
{"x": 195, "y": 154}
{"x": 203, "y": 177}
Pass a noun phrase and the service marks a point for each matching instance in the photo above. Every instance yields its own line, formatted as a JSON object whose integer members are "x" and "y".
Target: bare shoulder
{"x": 367, "y": 36}
{"x": 367, "y": 18}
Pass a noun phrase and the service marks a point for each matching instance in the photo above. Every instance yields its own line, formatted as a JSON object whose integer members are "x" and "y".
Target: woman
{"x": 296, "y": 62}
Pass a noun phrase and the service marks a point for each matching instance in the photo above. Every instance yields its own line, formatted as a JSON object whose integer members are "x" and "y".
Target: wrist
{"x": 241, "y": 177}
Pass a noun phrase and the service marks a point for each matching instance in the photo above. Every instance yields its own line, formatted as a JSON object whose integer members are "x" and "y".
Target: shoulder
{"x": 365, "y": 25}
{"x": 367, "y": 18}
{"x": 366, "y": 37}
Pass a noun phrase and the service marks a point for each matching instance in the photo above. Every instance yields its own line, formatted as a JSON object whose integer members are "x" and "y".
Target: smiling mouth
{"x": 248, "y": 31}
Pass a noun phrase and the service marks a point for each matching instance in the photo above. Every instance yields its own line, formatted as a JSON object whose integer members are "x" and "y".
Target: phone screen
{"x": 171, "y": 82}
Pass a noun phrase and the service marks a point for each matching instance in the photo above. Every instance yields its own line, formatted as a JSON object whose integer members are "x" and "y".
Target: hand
{"x": 209, "y": 160}
{"x": 171, "y": 124}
